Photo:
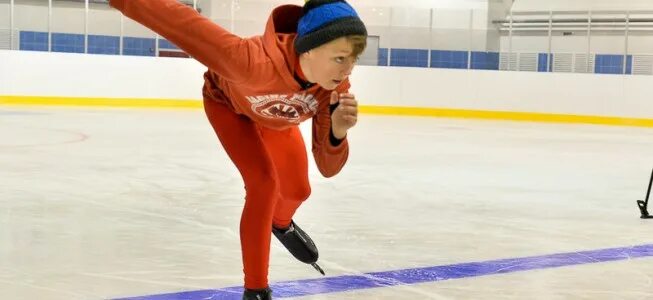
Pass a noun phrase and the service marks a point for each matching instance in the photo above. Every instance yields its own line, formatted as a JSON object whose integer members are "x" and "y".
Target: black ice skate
{"x": 299, "y": 244}
{"x": 265, "y": 294}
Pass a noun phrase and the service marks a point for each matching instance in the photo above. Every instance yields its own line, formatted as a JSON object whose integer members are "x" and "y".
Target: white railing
{"x": 642, "y": 64}
{"x": 5, "y": 39}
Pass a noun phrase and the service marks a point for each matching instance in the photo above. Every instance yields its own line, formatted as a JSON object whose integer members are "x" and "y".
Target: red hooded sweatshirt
{"x": 253, "y": 76}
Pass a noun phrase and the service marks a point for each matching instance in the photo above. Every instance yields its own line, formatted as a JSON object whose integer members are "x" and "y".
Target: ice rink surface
{"x": 102, "y": 203}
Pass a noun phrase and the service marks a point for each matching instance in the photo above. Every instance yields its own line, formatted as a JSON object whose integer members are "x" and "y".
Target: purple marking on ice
{"x": 344, "y": 283}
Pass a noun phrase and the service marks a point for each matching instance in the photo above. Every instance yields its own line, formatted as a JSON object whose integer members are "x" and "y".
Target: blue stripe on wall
{"x": 542, "y": 62}
{"x": 383, "y": 57}
{"x": 97, "y": 44}
{"x": 409, "y": 58}
{"x": 33, "y": 41}
{"x": 612, "y": 64}
{"x": 165, "y": 44}
{"x": 485, "y": 60}
{"x": 449, "y": 59}
{"x": 102, "y": 44}
{"x": 67, "y": 42}
{"x": 138, "y": 46}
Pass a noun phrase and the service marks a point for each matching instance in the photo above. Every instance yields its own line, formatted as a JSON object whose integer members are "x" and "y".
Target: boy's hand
{"x": 345, "y": 115}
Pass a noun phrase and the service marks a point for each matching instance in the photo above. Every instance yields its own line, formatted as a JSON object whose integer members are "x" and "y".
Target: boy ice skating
{"x": 256, "y": 92}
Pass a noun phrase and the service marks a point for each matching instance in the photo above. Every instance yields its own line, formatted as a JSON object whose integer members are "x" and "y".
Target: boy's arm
{"x": 330, "y": 153}
{"x": 221, "y": 51}
{"x": 330, "y": 149}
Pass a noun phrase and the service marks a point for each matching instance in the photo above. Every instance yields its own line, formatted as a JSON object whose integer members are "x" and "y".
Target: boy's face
{"x": 330, "y": 64}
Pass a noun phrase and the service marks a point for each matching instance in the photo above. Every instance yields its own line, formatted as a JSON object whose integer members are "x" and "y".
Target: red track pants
{"x": 274, "y": 167}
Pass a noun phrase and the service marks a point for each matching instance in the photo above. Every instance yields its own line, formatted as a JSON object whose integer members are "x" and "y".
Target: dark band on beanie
{"x": 324, "y": 21}
{"x": 310, "y": 4}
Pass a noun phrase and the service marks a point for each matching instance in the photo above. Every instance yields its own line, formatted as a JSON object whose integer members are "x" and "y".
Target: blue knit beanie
{"x": 324, "y": 21}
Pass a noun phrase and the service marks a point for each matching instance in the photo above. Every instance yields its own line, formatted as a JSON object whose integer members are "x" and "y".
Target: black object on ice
{"x": 643, "y": 205}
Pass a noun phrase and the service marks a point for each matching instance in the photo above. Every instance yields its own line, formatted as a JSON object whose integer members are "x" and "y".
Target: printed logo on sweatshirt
{"x": 287, "y": 107}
